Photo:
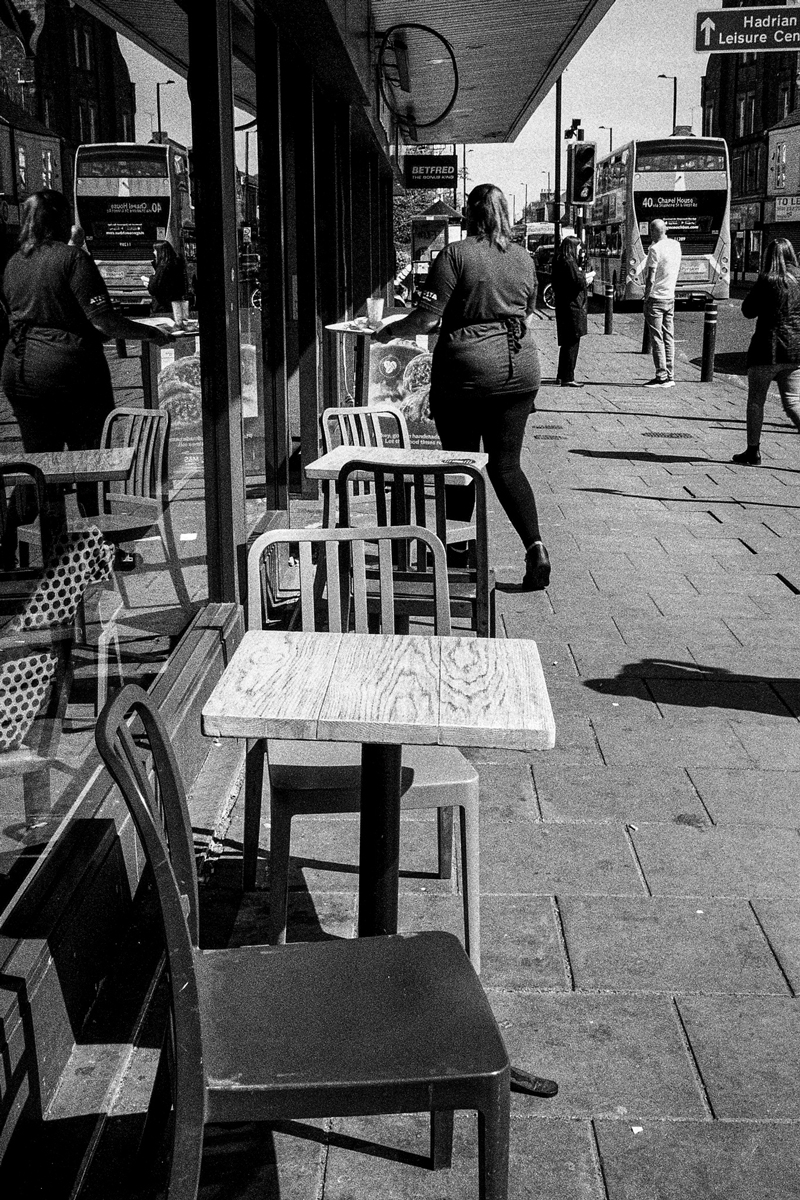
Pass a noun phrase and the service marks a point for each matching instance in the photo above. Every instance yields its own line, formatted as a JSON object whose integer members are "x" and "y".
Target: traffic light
{"x": 580, "y": 173}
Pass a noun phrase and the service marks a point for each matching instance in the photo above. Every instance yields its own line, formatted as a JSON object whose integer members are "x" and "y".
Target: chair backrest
{"x": 147, "y": 431}
{"x": 161, "y": 817}
{"x": 418, "y": 495}
{"x": 372, "y": 425}
{"x": 352, "y": 588}
{"x": 38, "y": 482}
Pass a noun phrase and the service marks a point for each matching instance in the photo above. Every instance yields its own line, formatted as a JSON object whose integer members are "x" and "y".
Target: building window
{"x": 708, "y": 119}
{"x": 47, "y": 109}
{"x": 87, "y": 47}
{"x": 780, "y": 165}
{"x": 87, "y": 116}
{"x": 736, "y": 173}
{"x": 76, "y": 44}
{"x": 128, "y": 134}
{"x": 22, "y": 167}
{"x": 784, "y": 100}
{"x": 745, "y": 113}
{"x": 48, "y": 169}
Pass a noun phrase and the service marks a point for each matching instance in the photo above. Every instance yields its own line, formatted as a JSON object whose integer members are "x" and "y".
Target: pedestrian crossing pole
{"x": 609, "y": 326}
{"x": 709, "y": 342}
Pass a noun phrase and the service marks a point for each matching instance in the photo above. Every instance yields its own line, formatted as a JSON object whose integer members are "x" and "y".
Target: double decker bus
{"x": 685, "y": 181}
{"x": 127, "y": 197}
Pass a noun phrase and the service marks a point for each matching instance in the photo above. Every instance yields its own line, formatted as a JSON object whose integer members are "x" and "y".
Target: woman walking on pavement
{"x": 774, "y": 353}
{"x": 485, "y": 370}
{"x": 571, "y": 291}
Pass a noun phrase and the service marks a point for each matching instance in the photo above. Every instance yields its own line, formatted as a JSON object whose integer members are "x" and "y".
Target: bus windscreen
{"x": 123, "y": 203}
{"x": 692, "y": 218}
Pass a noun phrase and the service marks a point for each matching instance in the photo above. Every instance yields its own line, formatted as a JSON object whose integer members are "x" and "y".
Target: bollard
{"x": 122, "y": 348}
{"x": 609, "y": 326}
{"x": 709, "y": 342}
{"x": 647, "y": 344}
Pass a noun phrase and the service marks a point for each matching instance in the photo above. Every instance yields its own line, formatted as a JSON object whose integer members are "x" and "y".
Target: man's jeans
{"x": 659, "y": 315}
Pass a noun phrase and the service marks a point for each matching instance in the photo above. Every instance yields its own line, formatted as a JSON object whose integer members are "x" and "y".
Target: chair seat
{"x": 342, "y": 1017}
{"x": 296, "y": 766}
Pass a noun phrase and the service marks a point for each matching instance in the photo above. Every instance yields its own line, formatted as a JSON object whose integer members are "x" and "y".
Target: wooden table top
{"x": 329, "y": 465}
{"x": 384, "y": 688}
{"x": 77, "y": 466}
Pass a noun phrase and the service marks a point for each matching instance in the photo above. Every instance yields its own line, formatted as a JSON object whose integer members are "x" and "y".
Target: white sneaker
{"x": 668, "y": 383}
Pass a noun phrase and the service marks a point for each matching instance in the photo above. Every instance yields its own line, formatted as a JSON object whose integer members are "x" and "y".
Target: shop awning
{"x": 508, "y": 55}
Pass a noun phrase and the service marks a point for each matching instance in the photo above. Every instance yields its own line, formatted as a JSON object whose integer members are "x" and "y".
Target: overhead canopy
{"x": 508, "y": 54}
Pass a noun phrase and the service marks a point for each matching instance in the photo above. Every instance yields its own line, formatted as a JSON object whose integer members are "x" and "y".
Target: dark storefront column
{"x": 308, "y": 291}
{"x": 271, "y": 205}
{"x": 363, "y": 226}
{"x": 330, "y": 275}
{"x": 211, "y": 95}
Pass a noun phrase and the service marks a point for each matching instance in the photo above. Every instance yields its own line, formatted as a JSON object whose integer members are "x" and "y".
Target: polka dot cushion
{"x": 25, "y": 682}
{"x": 78, "y": 560}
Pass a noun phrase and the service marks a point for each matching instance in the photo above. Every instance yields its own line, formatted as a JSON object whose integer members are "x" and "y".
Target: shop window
{"x": 22, "y": 168}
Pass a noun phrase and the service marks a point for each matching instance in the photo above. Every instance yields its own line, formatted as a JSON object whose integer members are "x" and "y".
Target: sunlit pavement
{"x": 641, "y": 924}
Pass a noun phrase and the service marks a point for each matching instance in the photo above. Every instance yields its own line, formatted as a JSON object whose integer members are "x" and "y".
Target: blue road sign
{"x": 738, "y": 30}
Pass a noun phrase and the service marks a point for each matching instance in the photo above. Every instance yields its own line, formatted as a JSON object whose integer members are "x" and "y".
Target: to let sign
{"x": 430, "y": 170}
{"x": 739, "y": 30}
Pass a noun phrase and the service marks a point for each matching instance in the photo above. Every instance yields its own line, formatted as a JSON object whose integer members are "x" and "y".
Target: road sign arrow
{"x": 706, "y": 27}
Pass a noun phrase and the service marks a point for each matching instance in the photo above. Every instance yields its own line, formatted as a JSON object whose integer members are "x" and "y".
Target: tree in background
{"x": 408, "y": 204}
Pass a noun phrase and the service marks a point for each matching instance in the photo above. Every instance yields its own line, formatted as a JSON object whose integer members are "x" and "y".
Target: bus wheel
{"x": 548, "y": 296}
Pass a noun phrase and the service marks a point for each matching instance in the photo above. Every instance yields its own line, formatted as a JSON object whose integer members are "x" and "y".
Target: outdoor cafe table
{"x": 328, "y": 466}
{"x": 62, "y": 467}
{"x": 383, "y": 690}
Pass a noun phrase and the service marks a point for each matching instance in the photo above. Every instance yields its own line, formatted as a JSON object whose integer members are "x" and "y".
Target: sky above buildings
{"x": 612, "y": 82}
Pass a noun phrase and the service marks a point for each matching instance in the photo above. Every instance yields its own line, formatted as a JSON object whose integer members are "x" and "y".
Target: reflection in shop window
{"x": 22, "y": 167}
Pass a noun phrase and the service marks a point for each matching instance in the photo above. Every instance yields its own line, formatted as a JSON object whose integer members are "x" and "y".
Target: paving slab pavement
{"x": 641, "y": 882}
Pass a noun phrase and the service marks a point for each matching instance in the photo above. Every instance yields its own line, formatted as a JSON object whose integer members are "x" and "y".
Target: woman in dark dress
{"x": 168, "y": 284}
{"x": 54, "y": 372}
{"x": 485, "y": 368}
{"x": 570, "y": 291}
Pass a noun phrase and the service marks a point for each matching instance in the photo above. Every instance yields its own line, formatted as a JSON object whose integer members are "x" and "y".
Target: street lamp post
{"x": 610, "y": 129}
{"x": 674, "y": 79}
{"x": 525, "y": 209}
{"x": 159, "y": 86}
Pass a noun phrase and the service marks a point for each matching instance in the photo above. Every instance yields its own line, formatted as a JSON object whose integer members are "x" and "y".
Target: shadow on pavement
{"x": 732, "y": 362}
{"x": 644, "y": 456}
{"x": 694, "y": 685}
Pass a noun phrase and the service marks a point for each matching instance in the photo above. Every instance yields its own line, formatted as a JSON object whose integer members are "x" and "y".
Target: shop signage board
{"x": 787, "y": 208}
{"x": 741, "y": 30}
{"x": 430, "y": 170}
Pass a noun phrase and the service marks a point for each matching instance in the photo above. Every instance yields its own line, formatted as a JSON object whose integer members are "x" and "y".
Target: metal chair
{"x": 132, "y": 508}
{"x": 417, "y": 495}
{"x": 11, "y": 517}
{"x": 370, "y": 425}
{"x": 264, "y": 1033}
{"x": 318, "y": 777}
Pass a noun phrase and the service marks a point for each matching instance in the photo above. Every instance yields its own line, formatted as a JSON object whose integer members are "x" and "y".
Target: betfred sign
{"x": 739, "y": 30}
{"x": 430, "y": 170}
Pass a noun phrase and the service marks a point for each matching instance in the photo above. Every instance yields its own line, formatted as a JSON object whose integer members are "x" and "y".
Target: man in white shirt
{"x": 661, "y": 275}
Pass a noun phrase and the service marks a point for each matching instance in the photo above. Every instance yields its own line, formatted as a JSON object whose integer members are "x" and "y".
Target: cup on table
{"x": 374, "y": 311}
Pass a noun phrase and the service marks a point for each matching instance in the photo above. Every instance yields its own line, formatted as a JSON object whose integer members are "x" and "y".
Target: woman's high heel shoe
{"x": 537, "y": 568}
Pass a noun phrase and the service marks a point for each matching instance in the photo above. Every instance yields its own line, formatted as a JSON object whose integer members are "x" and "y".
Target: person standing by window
{"x": 570, "y": 287}
{"x": 662, "y": 266}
